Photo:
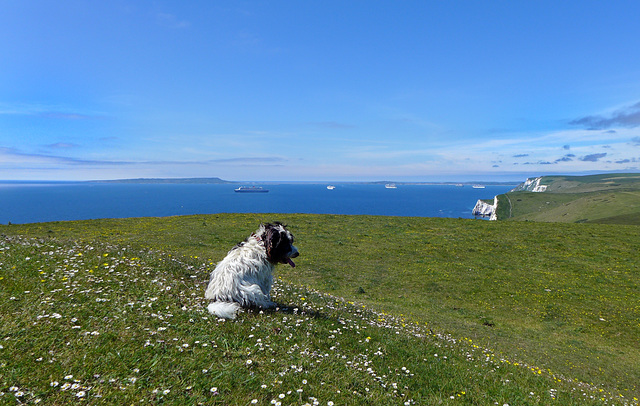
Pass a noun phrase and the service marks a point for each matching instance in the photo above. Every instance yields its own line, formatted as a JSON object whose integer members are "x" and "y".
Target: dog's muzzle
{"x": 294, "y": 254}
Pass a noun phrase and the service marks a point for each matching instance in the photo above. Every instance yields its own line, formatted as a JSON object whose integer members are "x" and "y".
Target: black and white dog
{"x": 244, "y": 277}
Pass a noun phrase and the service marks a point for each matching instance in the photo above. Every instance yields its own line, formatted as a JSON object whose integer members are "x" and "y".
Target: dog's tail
{"x": 225, "y": 310}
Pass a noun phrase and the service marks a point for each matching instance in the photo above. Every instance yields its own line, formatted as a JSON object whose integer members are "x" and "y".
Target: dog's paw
{"x": 269, "y": 305}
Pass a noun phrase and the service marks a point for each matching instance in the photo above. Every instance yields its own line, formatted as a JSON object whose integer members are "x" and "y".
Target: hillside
{"x": 379, "y": 310}
{"x": 606, "y": 198}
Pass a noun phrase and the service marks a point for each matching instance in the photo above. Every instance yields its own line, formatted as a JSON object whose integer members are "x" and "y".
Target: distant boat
{"x": 459, "y": 185}
{"x": 391, "y": 186}
{"x": 251, "y": 189}
{"x": 331, "y": 187}
{"x": 478, "y": 186}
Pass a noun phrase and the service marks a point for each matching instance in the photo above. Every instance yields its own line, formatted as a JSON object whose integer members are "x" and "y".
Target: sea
{"x": 34, "y": 202}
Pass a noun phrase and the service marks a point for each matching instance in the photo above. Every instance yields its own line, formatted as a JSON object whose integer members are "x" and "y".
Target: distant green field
{"x": 606, "y": 199}
{"x": 379, "y": 310}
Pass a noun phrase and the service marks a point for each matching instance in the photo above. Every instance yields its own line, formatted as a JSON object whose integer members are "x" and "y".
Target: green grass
{"x": 605, "y": 199}
{"x": 591, "y": 183}
{"x": 523, "y": 313}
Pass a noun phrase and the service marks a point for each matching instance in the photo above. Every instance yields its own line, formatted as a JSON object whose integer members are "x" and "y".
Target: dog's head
{"x": 278, "y": 242}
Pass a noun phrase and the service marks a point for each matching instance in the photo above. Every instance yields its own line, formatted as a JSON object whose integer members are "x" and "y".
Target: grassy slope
{"x": 608, "y": 198}
{"x": 563, "y": 298}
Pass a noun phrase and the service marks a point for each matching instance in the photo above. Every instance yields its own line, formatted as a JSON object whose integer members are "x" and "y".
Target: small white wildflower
{"x": 81, "y": 394}
{"x": 249, "y": 362}
{"x": 54, "y": 384}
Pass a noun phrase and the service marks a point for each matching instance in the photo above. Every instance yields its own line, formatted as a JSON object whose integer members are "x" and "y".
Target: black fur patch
{"x": 277, "y": 242}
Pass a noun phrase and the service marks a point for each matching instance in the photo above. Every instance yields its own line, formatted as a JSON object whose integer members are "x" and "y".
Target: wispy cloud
{"x": 593, "y": 157}
{"x": 539, "y": 163}
{"x": 566, "y": 158}
{"x": 48, "y": 111}
{"x": 628, "y": 117}
{"x": 11, "y": 156}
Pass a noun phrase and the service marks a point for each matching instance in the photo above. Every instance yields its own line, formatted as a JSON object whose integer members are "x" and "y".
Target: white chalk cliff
{"x": 531, "y": 185}
{"x": 484, "y": 209}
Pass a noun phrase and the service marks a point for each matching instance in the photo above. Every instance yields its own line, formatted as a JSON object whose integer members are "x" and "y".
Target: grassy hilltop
{"x": 607, "y": 198}
{"x": 379, "y": 310}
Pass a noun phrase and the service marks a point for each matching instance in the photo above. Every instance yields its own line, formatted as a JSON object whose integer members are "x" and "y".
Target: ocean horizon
{"x": 45, "y": 201}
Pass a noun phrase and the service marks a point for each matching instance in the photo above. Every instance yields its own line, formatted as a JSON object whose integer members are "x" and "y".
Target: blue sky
{"x": 318, "y": 90}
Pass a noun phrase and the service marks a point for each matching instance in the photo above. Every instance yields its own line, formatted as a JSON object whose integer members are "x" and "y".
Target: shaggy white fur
{"x": 244, "y": 277}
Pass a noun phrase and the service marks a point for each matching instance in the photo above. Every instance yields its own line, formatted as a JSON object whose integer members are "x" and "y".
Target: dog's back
{"x": 244, "y": 277}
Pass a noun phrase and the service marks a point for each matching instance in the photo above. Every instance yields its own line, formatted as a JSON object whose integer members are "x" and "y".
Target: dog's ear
{"x": 272, "y": 240}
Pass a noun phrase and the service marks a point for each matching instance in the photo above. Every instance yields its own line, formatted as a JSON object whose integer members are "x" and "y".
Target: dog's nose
{"x": 295, "y": 253}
